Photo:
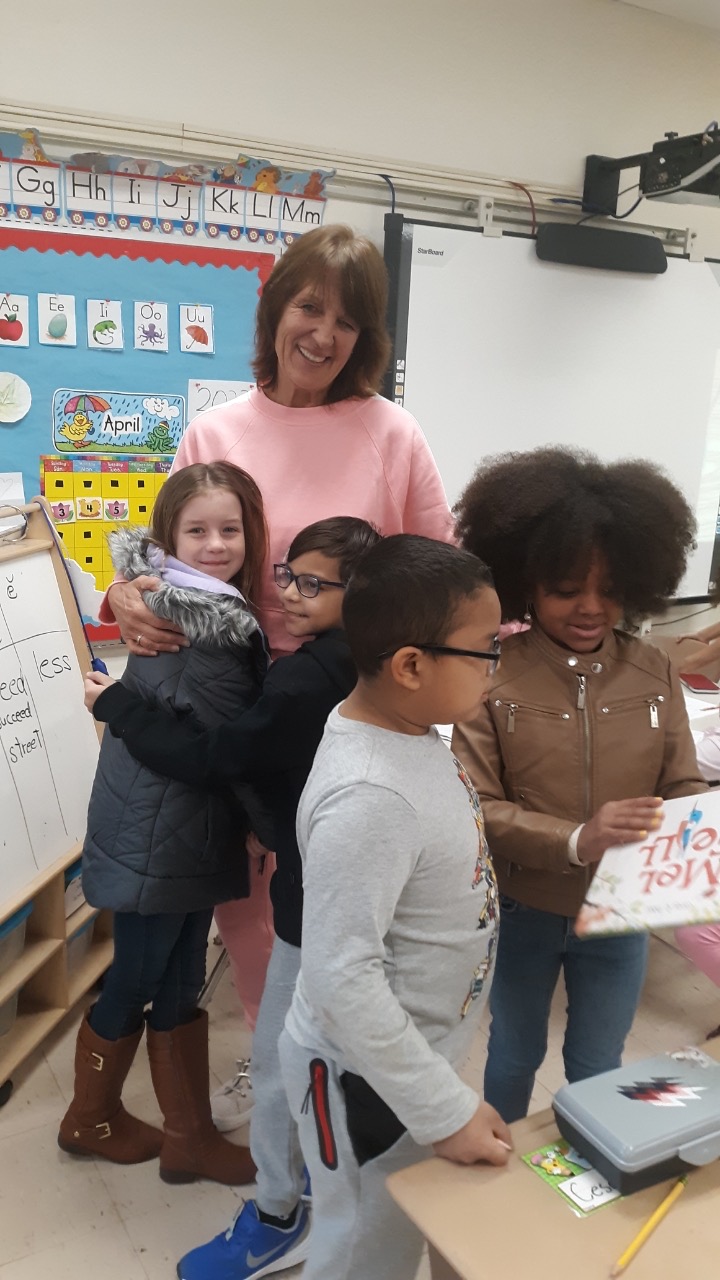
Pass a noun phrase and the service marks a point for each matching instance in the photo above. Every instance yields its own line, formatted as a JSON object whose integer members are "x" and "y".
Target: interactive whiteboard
{"x": 496, "y": 351}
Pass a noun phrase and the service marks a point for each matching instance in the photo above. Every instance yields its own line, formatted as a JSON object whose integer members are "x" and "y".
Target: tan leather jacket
{"x": 560, "y": 734}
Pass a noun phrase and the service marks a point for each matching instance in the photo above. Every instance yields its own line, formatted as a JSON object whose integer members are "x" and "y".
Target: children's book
{"x": 564, "y": 1169}
{"x": 671, "y": 878}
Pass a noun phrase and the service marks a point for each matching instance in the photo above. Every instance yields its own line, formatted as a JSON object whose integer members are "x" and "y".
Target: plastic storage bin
{"x": 12, "y": 936}
{"x": 74, "y": 896}
{"x": 647, "y": 1121}
{"x": 79, "y": 945}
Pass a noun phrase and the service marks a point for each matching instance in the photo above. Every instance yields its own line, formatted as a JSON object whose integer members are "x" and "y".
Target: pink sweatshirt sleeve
{"x": 426, "y": 506}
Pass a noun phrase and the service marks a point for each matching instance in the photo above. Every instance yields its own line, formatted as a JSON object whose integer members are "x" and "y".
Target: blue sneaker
{"x": 248, "y": 1249}
{"x": 307, "y": 1188}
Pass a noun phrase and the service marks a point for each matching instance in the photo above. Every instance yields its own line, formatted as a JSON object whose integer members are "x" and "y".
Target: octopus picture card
{"x": 671, "y": 878}
{"x": 151, "y": 326}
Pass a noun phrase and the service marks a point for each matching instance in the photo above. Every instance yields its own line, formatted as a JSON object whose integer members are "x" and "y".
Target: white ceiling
{"x": 704, "y": 12}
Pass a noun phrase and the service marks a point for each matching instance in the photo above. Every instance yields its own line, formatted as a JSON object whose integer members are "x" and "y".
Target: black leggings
{"x": 159, "y": 960}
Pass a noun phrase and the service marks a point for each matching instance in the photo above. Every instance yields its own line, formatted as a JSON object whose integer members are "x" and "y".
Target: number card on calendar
{"x": 671, "y": 878}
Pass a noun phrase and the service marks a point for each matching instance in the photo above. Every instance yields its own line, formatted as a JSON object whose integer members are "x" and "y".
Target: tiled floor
{"x": 62, "y": 1218}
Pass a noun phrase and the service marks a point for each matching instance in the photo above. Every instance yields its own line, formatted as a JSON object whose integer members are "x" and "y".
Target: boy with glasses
{"x": 272, "y": 746}
{"x": 400, "y": 913}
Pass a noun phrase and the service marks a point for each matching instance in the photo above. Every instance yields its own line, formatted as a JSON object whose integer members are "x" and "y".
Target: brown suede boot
{"x": 193, "y": 1148}
{"x": 96, "y": 1123}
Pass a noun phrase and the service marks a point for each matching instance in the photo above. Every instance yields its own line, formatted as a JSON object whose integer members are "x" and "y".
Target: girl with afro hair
{"x": 583, "y": 735}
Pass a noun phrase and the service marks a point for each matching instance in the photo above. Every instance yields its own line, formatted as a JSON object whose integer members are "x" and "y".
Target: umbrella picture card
{"x": 104, "y": 325}
{"x": 671, "y": 878}
{"x": 56, "y": 320}
{"x": 197, "y": 334}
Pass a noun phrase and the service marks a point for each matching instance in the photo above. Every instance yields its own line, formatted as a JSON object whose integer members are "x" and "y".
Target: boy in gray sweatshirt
{"x": 400, "y": 919}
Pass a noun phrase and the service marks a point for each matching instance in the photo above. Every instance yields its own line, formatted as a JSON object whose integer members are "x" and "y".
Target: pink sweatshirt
{"x": 364, "y": 458}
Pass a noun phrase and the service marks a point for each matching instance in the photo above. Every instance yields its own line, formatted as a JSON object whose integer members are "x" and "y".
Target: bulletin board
{"x": 143, "y": 388}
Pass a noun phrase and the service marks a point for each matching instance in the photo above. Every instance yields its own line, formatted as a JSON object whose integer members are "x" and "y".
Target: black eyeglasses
{"x": 307, "y": 584}
{"x": 492, "y": 659}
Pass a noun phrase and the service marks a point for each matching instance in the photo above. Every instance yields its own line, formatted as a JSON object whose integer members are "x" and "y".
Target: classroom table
{"x": 508, "y": 1224}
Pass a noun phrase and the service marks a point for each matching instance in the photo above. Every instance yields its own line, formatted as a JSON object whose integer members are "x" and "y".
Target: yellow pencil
{"x": 649, "y": 1227}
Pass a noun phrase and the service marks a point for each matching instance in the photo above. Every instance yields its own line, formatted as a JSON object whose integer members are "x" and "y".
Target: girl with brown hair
{"x": 161, "y": 854}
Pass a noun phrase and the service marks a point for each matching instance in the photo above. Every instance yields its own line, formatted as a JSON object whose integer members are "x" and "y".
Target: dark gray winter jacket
{"x": 154, "y": 845}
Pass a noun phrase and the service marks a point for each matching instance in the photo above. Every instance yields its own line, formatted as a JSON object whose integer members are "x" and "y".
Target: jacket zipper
{"x": 582, "y": 707}
{"x": 513, "y": 707}
{"x": 652, "y": 705}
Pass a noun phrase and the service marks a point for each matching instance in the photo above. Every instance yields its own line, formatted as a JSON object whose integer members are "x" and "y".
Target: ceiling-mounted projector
{"x": 680, "y": 169}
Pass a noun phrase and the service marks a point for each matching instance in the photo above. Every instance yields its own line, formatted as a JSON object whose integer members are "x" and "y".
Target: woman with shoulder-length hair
{"x": 319, "y": 440}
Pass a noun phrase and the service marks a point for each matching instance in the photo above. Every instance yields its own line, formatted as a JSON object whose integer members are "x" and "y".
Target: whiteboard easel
{"x": 48, "y": 753}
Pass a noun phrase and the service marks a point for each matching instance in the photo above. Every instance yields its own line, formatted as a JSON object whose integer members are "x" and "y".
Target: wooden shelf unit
{"x": 46, "y": 985}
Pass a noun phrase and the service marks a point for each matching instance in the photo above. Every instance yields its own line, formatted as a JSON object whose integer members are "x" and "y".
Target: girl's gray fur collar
{"x": 207, "y": 619}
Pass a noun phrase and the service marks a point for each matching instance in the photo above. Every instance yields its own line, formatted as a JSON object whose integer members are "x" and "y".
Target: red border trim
{"x": 163, "y": 251}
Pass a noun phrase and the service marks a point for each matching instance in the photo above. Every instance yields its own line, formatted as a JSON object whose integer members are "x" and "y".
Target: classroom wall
{"x": 516, "y": 88}
{"x": 523, "y": 88}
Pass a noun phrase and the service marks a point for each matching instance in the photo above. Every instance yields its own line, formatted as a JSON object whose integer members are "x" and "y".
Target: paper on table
{"x": 12, "y": 494}
{"x": 698, "y": 707}
{"x": 11, "y": 488}
{"x": 671, "y": 878}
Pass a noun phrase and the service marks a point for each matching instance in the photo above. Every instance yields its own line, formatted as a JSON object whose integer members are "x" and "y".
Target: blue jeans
{"x": 158, "y": 960}
{"x": 603, "y": 980}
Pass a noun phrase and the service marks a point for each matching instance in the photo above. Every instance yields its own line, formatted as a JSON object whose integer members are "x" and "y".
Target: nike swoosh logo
{"x": 253, "y": 1261}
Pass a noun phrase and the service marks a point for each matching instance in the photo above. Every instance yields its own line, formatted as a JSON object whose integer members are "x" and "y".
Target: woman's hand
{"x": 485, "y": 1137}
{"x": 95, "y": 682}
{"x": 255, "y": 848}
{"x": 618, "y": 822}
{"x": 143, "y": 632}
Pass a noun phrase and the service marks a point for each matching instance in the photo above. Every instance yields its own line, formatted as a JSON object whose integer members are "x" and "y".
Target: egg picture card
{"x": 56, "y": 320}
{"x": 197, "y": 334}
{"x": 670, "y": 878}
{"x": 14, "y": 326}
{"x": 104, "y": 325}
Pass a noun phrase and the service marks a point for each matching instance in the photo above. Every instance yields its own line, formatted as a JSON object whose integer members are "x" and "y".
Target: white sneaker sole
{"x": 227, "y": 1124}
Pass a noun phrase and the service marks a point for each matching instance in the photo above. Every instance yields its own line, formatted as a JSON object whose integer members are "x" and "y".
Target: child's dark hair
{"x": 342, "y": 538}
{"x": 183, "y": 485}
{"x": 406, "y": 590}
{"x": 538, "y": 519}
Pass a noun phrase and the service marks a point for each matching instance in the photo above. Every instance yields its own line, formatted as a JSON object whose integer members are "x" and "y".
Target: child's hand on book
{"x": 618, "y": 822}
{"x": 485, "y": 1137}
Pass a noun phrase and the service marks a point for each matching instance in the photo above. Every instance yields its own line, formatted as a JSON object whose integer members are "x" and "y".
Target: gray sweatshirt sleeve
{"x": 363, "y": 846}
